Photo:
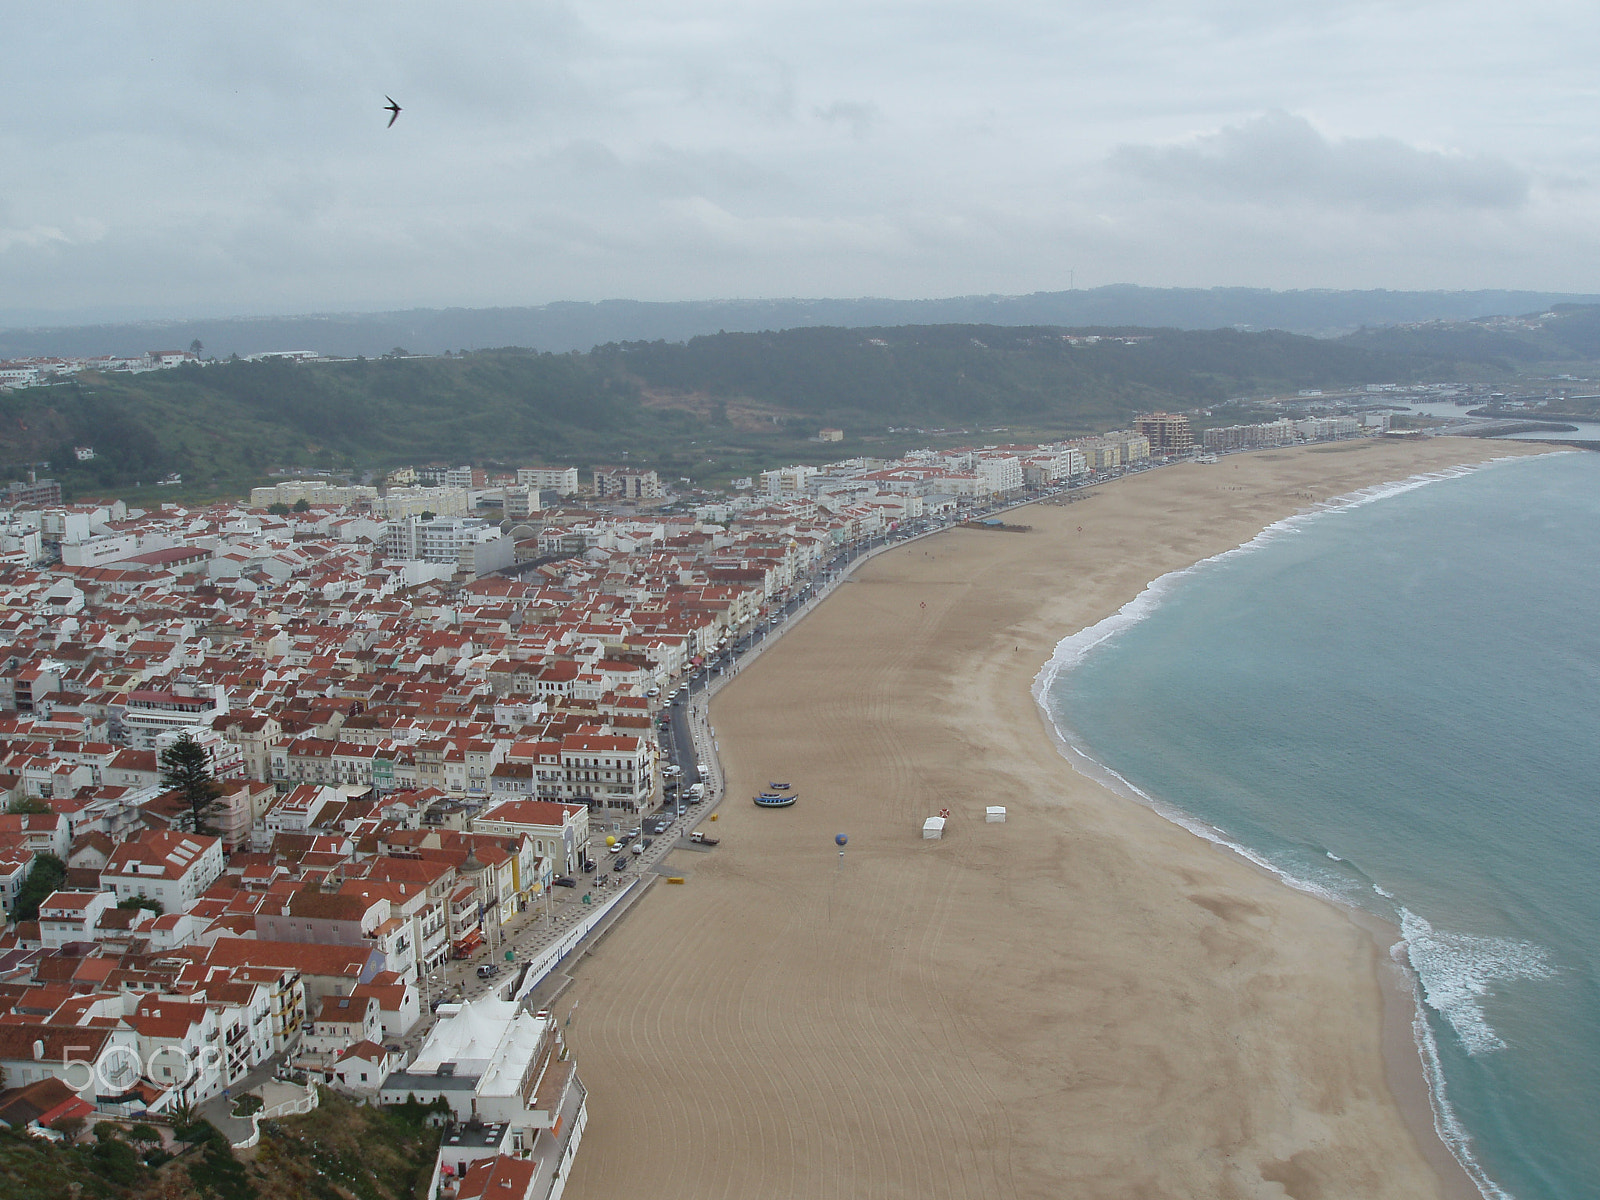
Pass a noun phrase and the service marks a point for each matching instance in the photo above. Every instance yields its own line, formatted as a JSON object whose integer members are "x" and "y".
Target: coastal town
{"x": 438, "y": 724}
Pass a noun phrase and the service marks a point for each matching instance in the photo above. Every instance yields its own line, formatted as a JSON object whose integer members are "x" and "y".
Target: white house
{"x": 66, "y": 917}
{"x": 173, "y": 868}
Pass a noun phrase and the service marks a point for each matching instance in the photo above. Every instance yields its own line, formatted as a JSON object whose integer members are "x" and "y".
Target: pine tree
{"x": 184, "y": 769}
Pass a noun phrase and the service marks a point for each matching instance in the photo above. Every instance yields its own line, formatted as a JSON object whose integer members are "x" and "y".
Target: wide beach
{"x": 1084, "y": 1001}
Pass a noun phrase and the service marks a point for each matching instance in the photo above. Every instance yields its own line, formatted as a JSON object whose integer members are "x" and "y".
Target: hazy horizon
{"x": 18, "y": 319}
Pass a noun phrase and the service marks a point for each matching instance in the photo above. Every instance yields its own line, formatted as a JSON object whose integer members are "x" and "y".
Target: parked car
{"x": 488, "y": 971}
{"x": 588, "y": 865}
{"x": 621, "y": 864}
{"x": 564, "y": 881}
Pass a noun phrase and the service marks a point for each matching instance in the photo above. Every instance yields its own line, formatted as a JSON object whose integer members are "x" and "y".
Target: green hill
{"x": 710, "y": 407}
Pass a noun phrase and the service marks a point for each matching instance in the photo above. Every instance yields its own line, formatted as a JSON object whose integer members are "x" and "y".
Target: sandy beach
{"x": 1086, "y": 1001}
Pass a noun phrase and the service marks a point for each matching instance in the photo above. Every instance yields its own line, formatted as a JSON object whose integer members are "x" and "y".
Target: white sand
{"x": 1086, "y": 1001}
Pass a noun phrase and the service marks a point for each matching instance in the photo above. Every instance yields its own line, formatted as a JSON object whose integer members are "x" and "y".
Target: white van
{"x": 694, "y": 792}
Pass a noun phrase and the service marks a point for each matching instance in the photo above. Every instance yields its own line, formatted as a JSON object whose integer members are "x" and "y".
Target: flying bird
{"x": 394, "y": 111}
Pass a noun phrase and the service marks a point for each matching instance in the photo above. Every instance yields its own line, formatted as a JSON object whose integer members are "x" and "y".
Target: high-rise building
{"x": 1169, "y": 433}
{"x": 630, "y": 483}
{"x": 42, "y": 492}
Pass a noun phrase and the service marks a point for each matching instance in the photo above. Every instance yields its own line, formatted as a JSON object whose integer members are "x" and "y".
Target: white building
{"x": 999, "y": 474}
{"x": 788, "y": 481}
{"x": 172, "y": 868}
{"x": 149, "y": 713}
{"x": 98, "y": 551}
{"x": 494, "y": 1062}
{"x": 563, "y": 481}
{"x": 178, "y": 1045}
{"x": 312, "y": 491}
{"x": 471, "y": 544}
{"x": 414, "y": 501}
{"x": 66, "y": 917}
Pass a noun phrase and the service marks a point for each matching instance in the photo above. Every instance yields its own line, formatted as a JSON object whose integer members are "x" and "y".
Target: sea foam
{"x": 1457, "y": 970}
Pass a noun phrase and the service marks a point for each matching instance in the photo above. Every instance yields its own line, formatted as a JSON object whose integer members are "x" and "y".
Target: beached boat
{"x": 775, "y": 800}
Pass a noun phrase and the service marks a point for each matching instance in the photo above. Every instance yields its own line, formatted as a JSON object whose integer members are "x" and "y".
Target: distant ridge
{"x": 567, "y": 326}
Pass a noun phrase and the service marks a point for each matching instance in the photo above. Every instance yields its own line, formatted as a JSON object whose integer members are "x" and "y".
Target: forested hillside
{"x": 716, "y": 405}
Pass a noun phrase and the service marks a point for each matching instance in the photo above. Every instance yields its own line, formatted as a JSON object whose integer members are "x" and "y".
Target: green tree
{"x": 301, "y": 505}
{"x": 278, "y": 510}
{"x": 196, "y": 346}
{"x": 27, "y": 804}
{"x": 149, "y": 902}
{"x": 46, "y": 875}
{"x": 185, "y": 770}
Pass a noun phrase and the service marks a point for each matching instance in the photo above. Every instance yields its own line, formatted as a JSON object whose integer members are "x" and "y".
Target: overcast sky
{"x": 197, "y": 160}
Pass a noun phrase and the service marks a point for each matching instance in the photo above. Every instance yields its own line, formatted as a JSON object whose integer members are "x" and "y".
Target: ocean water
{"x": 1585, "y": 431}
{"x": 1395, "y": 701}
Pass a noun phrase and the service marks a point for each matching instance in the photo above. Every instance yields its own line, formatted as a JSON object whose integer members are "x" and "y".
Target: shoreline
{"x": 1407, "y": 1050}
{"x": 1186, "y": 1028}
{"x": 1406, "y": 1068}
{"x": 1416, "y": 1093}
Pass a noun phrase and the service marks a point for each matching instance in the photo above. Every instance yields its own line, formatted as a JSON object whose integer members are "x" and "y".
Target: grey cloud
{"x": 657, "y": 171}
{"x": 859, "y": 117}
{"x": 550, "y": 149}
{"x": 1281, "y": 157}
